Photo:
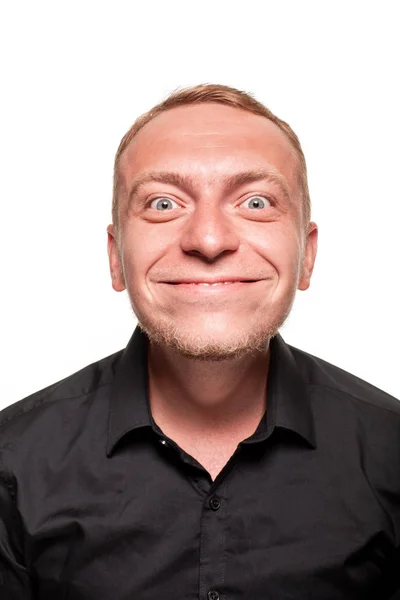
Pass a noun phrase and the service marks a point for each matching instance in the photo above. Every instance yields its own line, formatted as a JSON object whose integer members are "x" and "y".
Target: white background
{"x": 75, "y": 75}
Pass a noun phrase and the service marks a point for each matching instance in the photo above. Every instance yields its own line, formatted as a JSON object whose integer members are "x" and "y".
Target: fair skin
{"x": 210, "y": 194}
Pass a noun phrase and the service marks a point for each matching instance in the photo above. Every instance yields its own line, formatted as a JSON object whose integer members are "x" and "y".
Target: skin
{"x": 196, "y": 220}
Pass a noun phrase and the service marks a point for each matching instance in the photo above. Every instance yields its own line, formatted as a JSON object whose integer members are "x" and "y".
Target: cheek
{"x": 280, "y": 246}
{"x": 142, "y": 248}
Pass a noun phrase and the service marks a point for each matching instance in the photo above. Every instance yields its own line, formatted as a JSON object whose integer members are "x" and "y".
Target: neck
{"x": 193, "y": 396}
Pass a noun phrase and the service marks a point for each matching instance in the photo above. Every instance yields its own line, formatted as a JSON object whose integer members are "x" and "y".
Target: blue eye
{"x": 256, "y": 202}
{"x": 163, "y": 204}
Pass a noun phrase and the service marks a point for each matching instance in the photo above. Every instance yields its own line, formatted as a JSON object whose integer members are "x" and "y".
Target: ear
{"x": 117, "y": 278}
{"x": 310, "y": 252}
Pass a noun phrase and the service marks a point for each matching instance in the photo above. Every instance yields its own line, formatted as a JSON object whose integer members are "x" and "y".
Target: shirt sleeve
{"x": 15, "y": 583}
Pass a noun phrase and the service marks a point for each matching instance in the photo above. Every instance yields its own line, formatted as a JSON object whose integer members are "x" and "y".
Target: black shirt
{"x": 97, "y": 504}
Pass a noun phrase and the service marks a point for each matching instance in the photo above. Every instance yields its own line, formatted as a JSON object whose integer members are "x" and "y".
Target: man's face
{"x": 210, "y": 195}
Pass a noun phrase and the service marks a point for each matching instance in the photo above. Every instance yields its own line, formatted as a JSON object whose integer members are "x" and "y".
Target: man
{"x": 209, "y": 459}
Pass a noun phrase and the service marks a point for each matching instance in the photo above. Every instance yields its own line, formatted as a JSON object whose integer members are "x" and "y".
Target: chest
{"x": 211, "y": 454}
{"x": 273, "y": 525}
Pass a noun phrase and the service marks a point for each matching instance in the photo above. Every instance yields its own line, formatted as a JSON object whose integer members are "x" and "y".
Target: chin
{"x": 210, "y": 344}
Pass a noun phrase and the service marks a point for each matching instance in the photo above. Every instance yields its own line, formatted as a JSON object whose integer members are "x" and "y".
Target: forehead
{"x": 208, "y": 140}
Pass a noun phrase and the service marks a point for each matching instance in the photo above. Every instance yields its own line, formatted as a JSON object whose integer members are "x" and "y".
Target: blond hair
{"x": 221, "y": 94}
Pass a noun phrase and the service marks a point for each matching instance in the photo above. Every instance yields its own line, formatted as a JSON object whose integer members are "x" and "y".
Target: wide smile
{"x": 218, "y": 287}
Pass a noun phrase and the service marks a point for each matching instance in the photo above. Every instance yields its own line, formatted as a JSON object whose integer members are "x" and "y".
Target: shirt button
{"x": 163, "y": 442}
{"x": 215, "y": 503}
{"x": 213, "y": 595}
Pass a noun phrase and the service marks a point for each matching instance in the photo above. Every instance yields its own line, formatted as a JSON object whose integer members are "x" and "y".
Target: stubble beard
{"x": 254, "y": 340}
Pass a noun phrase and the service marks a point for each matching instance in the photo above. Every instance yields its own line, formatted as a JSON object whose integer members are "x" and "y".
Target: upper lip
{"x": 220, "y": 279}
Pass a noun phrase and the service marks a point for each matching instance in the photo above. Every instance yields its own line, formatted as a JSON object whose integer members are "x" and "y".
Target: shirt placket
{"x": 213, "y": 534}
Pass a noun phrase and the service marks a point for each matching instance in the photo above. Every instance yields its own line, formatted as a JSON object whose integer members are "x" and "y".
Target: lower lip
{"x": 220, "y": 288}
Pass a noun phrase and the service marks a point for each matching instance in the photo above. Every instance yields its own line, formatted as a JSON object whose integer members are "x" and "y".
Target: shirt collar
{"x": 129, "y": 408}
{"x": 287, "y": 403}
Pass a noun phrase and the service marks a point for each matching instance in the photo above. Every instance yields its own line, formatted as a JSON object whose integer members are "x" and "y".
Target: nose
{"x": 209, "y": 233}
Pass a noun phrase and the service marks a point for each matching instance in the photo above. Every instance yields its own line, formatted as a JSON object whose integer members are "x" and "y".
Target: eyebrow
{"x": 230, "y": 182}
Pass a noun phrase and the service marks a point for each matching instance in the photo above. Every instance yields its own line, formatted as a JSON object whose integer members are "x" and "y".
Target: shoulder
{"x": 322, "y": 375}
{"x": 40, "y": 413}
{"x": 357, "y": 426}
